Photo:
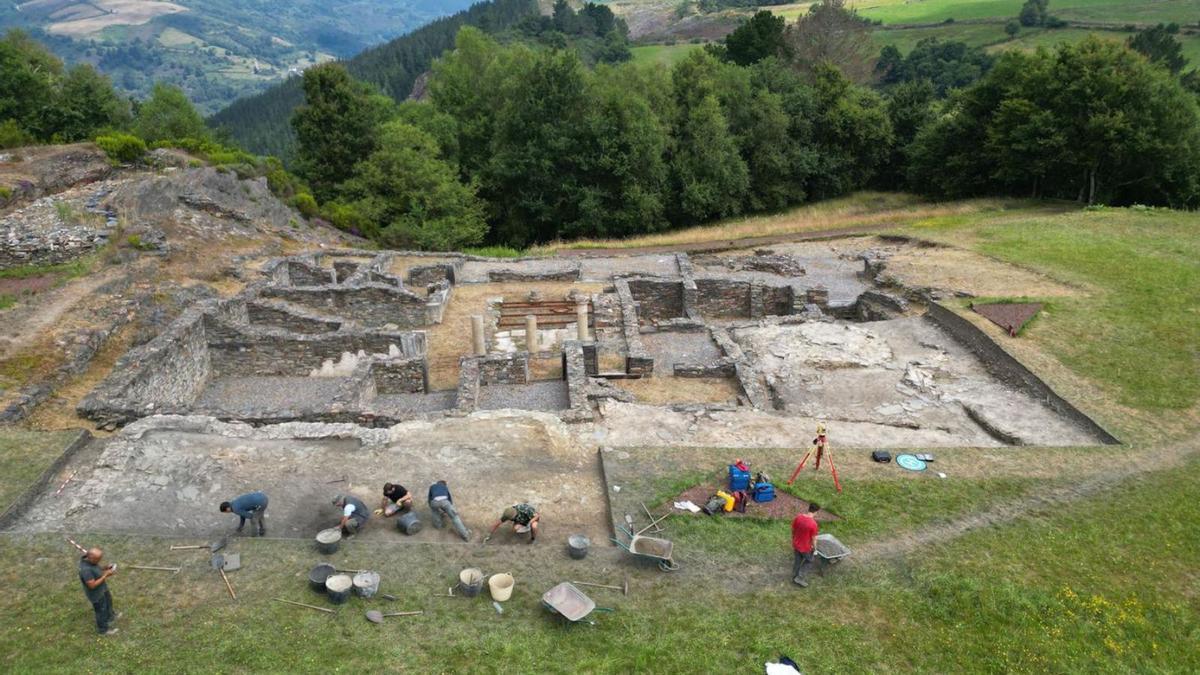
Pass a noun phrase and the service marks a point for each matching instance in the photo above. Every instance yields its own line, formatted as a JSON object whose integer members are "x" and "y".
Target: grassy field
{"x": 668, "y": 55}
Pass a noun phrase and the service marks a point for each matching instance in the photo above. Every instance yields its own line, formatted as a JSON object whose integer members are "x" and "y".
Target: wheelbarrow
{"x": 567, "y": 600}
{"x": 650, "y": 547}
{"x": 829, "y": 550}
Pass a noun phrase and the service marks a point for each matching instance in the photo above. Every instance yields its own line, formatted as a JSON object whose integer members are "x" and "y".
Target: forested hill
{"x": 262, "y": 123}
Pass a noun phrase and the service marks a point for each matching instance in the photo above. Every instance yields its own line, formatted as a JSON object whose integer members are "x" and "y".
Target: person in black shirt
{"x": 94, "y": 578}
{"x": 396, "y": 499}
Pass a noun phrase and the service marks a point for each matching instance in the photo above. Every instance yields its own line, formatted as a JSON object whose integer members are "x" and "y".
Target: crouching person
{"x": 354, "y": 514}
{"x": 442, "y": 506}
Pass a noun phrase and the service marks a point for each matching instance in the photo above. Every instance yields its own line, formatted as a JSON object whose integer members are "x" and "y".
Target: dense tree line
{"x": 261, "y": 123}
{"x": 549, "y": 148}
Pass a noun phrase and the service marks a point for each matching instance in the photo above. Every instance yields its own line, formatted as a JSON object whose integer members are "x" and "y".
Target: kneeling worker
{"x": 442, "y": 505}
{"x": 396, "y": 499}
{"x": 524, "y": 519}
{"x": 354, "y": 513}
{"x": 250, "y": 506}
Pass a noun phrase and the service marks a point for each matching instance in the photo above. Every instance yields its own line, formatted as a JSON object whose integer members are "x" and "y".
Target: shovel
{"x": 212, "y": 547}
{"x": 376, "y": 616}
{"x": 221, "y": 563}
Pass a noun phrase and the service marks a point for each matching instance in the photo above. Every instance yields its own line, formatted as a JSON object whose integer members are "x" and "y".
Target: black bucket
{"x": 318, "y": 575}
{"x": 577, "y": 546}
{"x": 408, "y": 523}
{"x": 338, "y": 587}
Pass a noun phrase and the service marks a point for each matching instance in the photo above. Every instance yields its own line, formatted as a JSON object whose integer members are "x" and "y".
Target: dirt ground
{"x": 667, "y": 390}
{"x": 957, "y": 270}
{"x": 451, "y": 339}
{"x": 169, "y": 481}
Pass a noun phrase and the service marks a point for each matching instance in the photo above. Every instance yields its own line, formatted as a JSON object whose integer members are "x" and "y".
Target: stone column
{"x": 531, "y": 333}
{"x": 581, "y": 318}
{"x": 477, "y": 336}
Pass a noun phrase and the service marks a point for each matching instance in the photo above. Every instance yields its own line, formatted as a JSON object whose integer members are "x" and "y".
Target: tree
{"x": 947, "y": 64}
{"x": 889, "y": 68}
{"x": 1034, "y": 13}
{"x": 710, "y": 179}
{"x": 413, "y": 195}
{"x": 1012, "y": 28}
{"x": 755, "y": 39}
{"x": 86, "y": 103}
{"x": 910, "y": 106}
{"x": 830, "y": 33}
{"x": 27, "y": 76}
{"x": 168, "y": 115}
{"x": 852, "y": 133}
{"x": 1160, "y": 45}
{"x": 336, "y": 127}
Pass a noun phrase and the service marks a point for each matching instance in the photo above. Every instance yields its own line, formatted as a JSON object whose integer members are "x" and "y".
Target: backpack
{"x": 881, "y": 456}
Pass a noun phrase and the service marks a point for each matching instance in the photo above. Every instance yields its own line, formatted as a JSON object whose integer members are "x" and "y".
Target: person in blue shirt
{"x": 442, "y": 505}
{"x": 250, "y": 507}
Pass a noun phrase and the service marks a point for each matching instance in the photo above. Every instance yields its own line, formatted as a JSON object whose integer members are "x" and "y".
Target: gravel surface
{"x": 284, "y": 393}
{"x": 536, "y": 396}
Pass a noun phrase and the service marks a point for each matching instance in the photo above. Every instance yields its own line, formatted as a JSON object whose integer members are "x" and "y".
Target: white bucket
{"x": 501, "y": 586}
{"x": 366, "y": 584}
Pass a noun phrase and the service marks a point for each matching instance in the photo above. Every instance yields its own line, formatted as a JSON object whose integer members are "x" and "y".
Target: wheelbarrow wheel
{"x": 668, "y": 565}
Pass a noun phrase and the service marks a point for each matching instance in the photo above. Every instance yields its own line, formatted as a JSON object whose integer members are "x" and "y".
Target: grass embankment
{"x": 42, "y": 276}
{"x": 860, "y": 211}
{"x": 24, "y": 455}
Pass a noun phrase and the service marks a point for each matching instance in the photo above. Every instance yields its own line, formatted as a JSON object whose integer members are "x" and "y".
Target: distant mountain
{"x": 217, "y": 50}
{"x": 262, "y": 123}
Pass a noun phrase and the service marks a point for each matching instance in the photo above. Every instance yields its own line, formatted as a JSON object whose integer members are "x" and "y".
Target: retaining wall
{"x": 1004, "y": 367}
{"x": 371, "y": 305}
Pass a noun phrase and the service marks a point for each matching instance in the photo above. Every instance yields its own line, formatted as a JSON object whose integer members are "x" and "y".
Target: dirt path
{"x": 34, "y": 319}
{"x": 1165, "y": 457}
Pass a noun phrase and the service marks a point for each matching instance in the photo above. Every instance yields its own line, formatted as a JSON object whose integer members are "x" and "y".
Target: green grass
{"x": 1138, "y": 333}
{"x": 495, "y": 252}
{"x": 7, "y": 300}
{"x": 24, "y": 455}
{"x": 1083, "y": 589}
{"x": 668, "y": 55}
{"x": 1109, "y": 11}
{"x": 69, "y": 270}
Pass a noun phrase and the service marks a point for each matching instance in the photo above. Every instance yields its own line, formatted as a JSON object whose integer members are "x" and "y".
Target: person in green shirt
{"x": 94, "y": 578}
{"x": 524, "y": 518}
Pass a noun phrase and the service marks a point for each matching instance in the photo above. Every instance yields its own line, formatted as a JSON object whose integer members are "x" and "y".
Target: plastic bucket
{"x": 501, "y": 586}
{"x": 408, "y": 523}
{"x": 366, "y": 584}
{"x": 577, "y": 546}
{"x": 318, "y": 575}
{"x": 470, "y": 581}
{"x": 337, "y": 587}
{"x": 328, "y": 541}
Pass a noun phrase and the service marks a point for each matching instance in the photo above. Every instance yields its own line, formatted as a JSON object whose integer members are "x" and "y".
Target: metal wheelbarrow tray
{"x": 829, "y": 549}
{"x": 655, "y": 548}
{"x": 567, "y": 600}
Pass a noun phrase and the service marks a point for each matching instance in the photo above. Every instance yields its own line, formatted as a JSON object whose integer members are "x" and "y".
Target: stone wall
{"x": 1004, "y": 367}
{"x": 370, "y": 305}
{"x": 637, "y": 360}
{"x": 569, "y": 272}
{"x": 504, "y": 369}
{"x": 468, "y": 384}
{"x": 657, "y": 299}
{"x": 273, "y": 352}
{"x": 343, "y": 270}
{"x": 400, "y": 376}
{"x": 723, "y": 298}
{"x": 303, "y": 274}
{"x": 263, "y": 314}
{"x": 424, "y": 275}
{"x": 436, "y": 301}
{"x": 20, "y": 247}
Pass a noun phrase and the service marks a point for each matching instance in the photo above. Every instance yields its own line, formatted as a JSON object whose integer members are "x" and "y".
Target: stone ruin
{"x": 345, "y": 336}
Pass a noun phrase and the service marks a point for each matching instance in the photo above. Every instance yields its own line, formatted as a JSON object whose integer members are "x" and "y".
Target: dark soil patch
{"x": 783, "y": 507}
{"x": 28, "y": 284}
{"x": 1012, "y": 317}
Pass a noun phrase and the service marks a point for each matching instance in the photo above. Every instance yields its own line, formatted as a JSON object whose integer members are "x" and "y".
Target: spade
{"x": 375, "y": 616}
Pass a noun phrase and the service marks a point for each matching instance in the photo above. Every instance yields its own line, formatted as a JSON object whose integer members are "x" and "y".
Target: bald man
{"x": 94, "y": 576}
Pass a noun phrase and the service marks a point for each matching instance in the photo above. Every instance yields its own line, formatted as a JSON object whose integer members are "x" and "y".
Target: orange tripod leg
{"x": 799, "y": 468}
{"x": 837, "y": 484}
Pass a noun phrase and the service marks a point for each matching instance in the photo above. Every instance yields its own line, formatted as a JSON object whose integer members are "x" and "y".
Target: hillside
{"x": 217, "y": 50}
{"x": 672, "y": 27}
{"x": 261, "y": 123}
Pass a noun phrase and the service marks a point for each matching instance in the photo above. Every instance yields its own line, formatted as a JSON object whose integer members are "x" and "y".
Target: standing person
{"x": 396, "y": 499}
{"x": 524, "y": 518}
{"x": 820, "y": 443}
{"x": 354, "y": 513}
{"x": 94, "y": 578}
{"x": 250, "y": 506}
{"x": 804, "y": 536}
{"x": 442, "y": 505}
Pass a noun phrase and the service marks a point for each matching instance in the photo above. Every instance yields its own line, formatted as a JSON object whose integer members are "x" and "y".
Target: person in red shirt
{"x": 804, "y": 536}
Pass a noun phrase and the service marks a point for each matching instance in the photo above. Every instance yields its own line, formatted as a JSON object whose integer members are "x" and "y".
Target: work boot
{"x": 111, "y": 631}
{"x": 262, "y": 531}
{"x": 800, "y": 582}
{"x": 118, "y": 615}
